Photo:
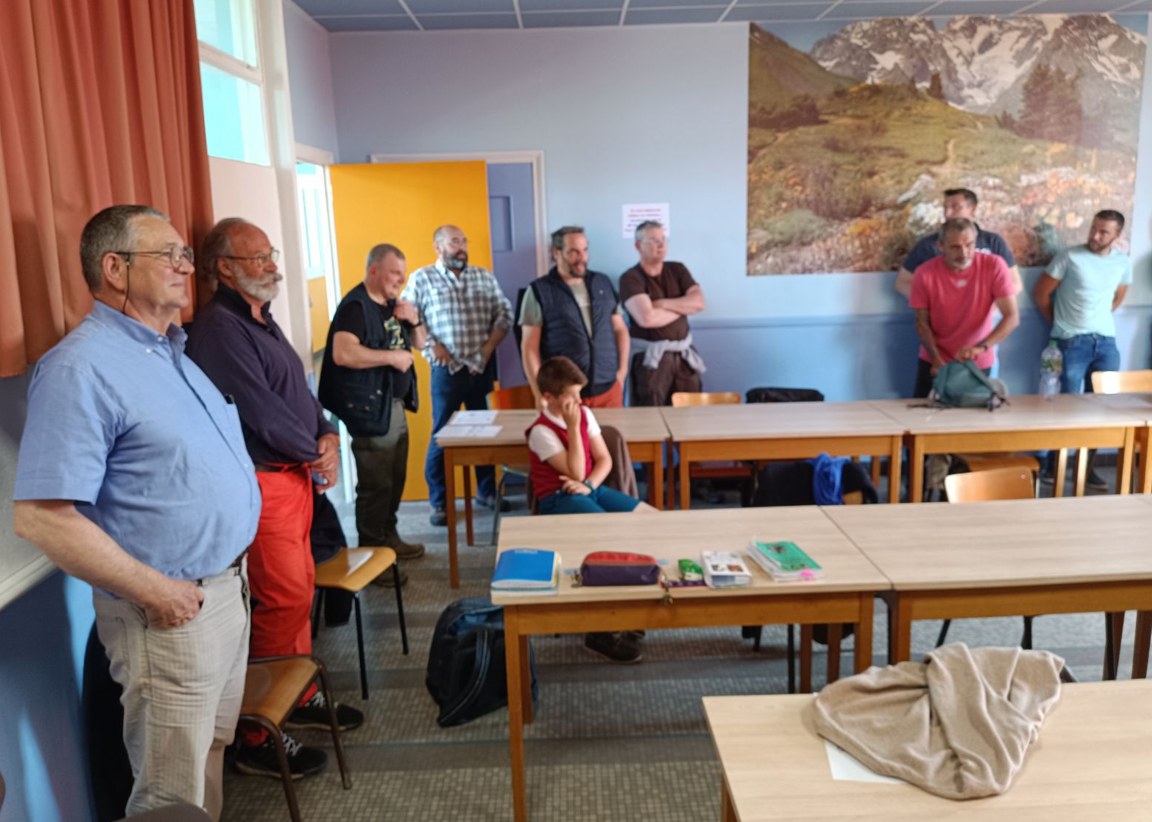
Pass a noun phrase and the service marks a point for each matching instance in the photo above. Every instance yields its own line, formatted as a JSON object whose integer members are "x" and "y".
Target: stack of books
{"x": 724, "y": 569}
{"x": 784, "y": 561}
{"x": 527, "y": 571}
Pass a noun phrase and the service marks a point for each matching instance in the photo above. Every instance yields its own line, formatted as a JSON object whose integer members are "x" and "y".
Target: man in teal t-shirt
{"x": 1077, "y": 295}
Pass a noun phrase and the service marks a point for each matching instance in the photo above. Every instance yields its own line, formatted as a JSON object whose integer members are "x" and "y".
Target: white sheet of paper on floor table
{"x": 474, "y": 418}
{"x": 469, "y": 431}
{"x": 848, "y": 768}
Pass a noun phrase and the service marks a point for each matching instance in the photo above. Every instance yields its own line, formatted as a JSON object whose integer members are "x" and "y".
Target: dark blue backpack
{"x": 466, "y": 674}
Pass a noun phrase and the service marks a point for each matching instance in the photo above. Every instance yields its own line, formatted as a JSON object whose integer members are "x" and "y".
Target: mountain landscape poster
{"x": 853, "y": 137}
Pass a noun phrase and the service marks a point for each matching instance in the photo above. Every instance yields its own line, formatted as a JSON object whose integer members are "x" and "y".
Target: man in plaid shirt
{"x": 467, "y": 316}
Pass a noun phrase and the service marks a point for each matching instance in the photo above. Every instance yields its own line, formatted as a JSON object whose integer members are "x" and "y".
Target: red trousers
{"x": 281, "y": 572}
{"x": 612, "y": 398}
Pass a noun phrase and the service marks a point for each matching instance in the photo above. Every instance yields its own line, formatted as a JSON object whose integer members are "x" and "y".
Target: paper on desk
{"x": 848, "y": 768}
{"x": 455, "y": 431}
{"x": 474, "y": 418}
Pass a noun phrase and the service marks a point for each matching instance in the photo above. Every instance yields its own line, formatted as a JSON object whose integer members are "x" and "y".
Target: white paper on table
{"x": 474, "y": 418}
{"x": 468, "y": 431}
{"x": 848, "y": 768}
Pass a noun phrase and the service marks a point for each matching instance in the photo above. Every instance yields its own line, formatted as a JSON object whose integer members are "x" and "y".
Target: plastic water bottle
{"x": 1051, "y": 364}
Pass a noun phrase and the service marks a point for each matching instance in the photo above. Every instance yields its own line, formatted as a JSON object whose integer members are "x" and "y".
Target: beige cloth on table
{"x": 957, "y": 725}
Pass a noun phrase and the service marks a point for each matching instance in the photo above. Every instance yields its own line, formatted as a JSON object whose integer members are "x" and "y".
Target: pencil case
{"x": 618, "y": 568}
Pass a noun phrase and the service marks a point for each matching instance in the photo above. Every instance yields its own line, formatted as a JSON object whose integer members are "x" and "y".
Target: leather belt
{"x": 236, "y": 563}
{"x": 276, "y": 467}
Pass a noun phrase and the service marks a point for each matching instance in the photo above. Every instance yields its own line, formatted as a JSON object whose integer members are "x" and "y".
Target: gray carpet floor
{"x": 610, "y": 742}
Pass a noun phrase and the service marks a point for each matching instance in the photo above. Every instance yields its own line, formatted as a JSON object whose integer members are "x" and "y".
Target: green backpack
{"x": 964, "y": 385}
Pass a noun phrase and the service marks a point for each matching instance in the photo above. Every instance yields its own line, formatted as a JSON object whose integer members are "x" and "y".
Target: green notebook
{"x": 784, "y": 560}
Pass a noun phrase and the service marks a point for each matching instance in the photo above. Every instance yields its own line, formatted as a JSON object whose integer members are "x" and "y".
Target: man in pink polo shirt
{"x": 954, "y": 296}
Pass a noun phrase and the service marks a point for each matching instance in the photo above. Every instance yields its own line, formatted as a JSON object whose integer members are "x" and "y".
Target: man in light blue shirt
{"x": 1078, "y": 294}
{"x": 133, "y": 477}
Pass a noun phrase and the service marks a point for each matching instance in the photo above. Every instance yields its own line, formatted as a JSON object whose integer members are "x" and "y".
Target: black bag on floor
{"x": 466, "y": 674}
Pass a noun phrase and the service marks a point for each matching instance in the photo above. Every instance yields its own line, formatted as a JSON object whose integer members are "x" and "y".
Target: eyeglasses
{"x": 174, "y": 254}
{"x": 262, "y": 259}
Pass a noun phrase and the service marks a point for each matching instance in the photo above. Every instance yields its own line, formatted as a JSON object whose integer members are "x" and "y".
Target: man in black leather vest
{"x": 575, "y": 312}
{"x": 368, "y": 381}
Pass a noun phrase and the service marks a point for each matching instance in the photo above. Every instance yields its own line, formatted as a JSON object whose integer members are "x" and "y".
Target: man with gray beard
{"x": 240, "y": 347}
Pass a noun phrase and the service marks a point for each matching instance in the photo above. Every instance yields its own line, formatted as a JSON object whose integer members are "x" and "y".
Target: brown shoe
{"x": 405, "y": 550}
{"x": 388, "y": 579}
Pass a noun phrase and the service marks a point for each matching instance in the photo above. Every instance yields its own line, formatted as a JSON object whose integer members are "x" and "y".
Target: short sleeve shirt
{"x": 987, "y": 242}
{"x": 545, "y": 443}
{"x": 960, "y": 304}
{"x": 1088, "y": 282}
{"x": 673, "y": 281}
{"x": 351, "y": 319}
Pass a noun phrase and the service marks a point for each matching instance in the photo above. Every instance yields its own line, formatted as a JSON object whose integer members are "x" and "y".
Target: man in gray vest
{"x": 574, "y": 312}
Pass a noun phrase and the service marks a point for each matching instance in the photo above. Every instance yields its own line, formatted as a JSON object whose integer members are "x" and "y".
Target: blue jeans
{"x": 449, "y": 392}
{"x": 603, "y": 500}
{"x": 1083, "y": 356}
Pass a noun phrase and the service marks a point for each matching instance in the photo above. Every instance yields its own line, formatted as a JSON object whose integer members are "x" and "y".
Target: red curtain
{"x": 99, "y": 104}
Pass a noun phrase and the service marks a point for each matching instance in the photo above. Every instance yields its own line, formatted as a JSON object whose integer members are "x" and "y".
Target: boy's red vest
{"x": 545, "y": 478}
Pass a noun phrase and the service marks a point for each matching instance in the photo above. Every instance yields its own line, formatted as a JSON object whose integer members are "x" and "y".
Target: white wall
{"x": 659, "y": 114}
{"x": 310, "y": 79}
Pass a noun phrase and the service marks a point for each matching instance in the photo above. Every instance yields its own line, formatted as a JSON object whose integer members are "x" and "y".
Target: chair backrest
{"x": 996, "y": 483}
{"x": 505, "y": 399}
{"x": 684, "y": 398}
{"x": 771, "y": 394}
{"x": 1121, "y": 382}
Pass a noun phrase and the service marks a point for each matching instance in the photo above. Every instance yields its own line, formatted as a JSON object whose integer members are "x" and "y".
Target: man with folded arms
{"x": 660, "y": 296}
{"x": 1077, "y": 296}
{"x": 242, "y": 349}
{"x": 954, "y": 297}
{"x": 133, "y": 477}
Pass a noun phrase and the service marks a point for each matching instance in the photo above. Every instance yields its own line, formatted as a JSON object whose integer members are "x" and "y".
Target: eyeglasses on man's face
{"x": 172, "y": 253}
{"x": 260, "y": 259}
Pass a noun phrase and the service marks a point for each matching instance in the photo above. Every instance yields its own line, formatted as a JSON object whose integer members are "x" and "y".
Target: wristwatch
{"x": 591, "y": 487}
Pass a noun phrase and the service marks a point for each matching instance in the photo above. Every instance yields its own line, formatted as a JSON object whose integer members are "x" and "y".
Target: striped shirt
{"x": 459, "y": 311}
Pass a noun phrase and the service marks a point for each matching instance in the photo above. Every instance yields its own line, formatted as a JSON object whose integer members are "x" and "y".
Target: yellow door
{"x": 402, "y": 204}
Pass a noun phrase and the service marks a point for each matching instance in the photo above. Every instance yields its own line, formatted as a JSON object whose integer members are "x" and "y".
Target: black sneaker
{"x": 615, "y": 647}
{"x": 314, "y": 714}
{"x": 261, "y": 760}
{"x": 1095, "y": 481}
{"x": 438, "y": 518}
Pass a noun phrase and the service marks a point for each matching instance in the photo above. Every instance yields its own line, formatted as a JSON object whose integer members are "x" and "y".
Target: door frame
{"x": 535, "y": 158}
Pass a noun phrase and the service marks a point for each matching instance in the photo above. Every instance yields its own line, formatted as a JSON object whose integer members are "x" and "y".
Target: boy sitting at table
{"x": 568, "y": 471}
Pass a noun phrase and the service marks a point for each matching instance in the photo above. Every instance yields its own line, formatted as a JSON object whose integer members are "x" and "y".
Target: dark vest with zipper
{"x": 362, "y": 397}
{"x": 563, "y": 332}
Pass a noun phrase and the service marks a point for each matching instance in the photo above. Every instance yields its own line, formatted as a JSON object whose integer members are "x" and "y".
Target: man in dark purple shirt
{"x": 243, "y": 351}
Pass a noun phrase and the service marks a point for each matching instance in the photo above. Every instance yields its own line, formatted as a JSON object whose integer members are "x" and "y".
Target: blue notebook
{"x": 526, "y": 569}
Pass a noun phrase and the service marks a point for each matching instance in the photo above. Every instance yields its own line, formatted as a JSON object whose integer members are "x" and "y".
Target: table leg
{"x": 1124, "y": 462}
{"x": 450, "y": 513}
{"x": 685, "y": 481}
{"x": 863, "y": 654}
{"x": 1113, "y": 639}
{"x": 805, "y": 659}
{"x": 1140, "y": 644}
{"x": 526, "y": 680}
{"x": 1061, "y": 473}
{"x": 513, "y": 649}
{"x": 915, "y": 471}
{"x": 835, "y": 635}
{"x": 1081, "y": 470}
{"x": 468, "y": 533}
{"x": 895, "y": 456}
{"x": 1145, "y": 476}
{"x": 875, "y": 469}
{"x": 901, "y": 642}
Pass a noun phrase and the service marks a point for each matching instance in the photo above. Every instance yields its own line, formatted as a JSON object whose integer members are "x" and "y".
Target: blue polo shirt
{"x": 123, "y": 424}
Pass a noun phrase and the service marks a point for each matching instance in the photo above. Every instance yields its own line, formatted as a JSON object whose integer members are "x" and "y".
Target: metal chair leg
{"x": 400, "y": 606}
{"x": 943, "y": 632}
{"x": 1026, "y": 640}
{"x": 360, "y": 647}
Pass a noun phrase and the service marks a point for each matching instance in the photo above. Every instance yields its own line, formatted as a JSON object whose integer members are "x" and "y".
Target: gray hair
{"x": 379, "y": 252}
{"x": 111, "y": 230}
{"x": 217, "y": 244}
{"x": 956, "y": 225}
{"x": 642, "y": 229}
{"x": 559, "y": 234}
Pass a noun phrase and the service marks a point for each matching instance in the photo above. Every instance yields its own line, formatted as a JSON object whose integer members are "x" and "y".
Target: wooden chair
{"x": 980, "y": 486}
{"x": 351, "y": 570}
{"x": 272, "y": 691}
{"x": 714, "y": 470}
{"x": 1121, "y": 382}
{"x": 518, "y": 397}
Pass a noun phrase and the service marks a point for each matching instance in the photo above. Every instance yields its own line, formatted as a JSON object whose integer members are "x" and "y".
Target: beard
{"x": 264, "y": 291}
{"x": 457, "y": 262}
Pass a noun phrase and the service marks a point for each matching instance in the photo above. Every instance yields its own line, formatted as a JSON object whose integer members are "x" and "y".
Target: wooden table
{"x": 1027, "y": 423}
{"x": 844, "y": 594}
{"x": 783, "y": 431}
{"x": 1013, "y": 558}
{"x": 642, "y": 428}
{"x": 1092, "y": 761}
{"x": 1140, "y": 406}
